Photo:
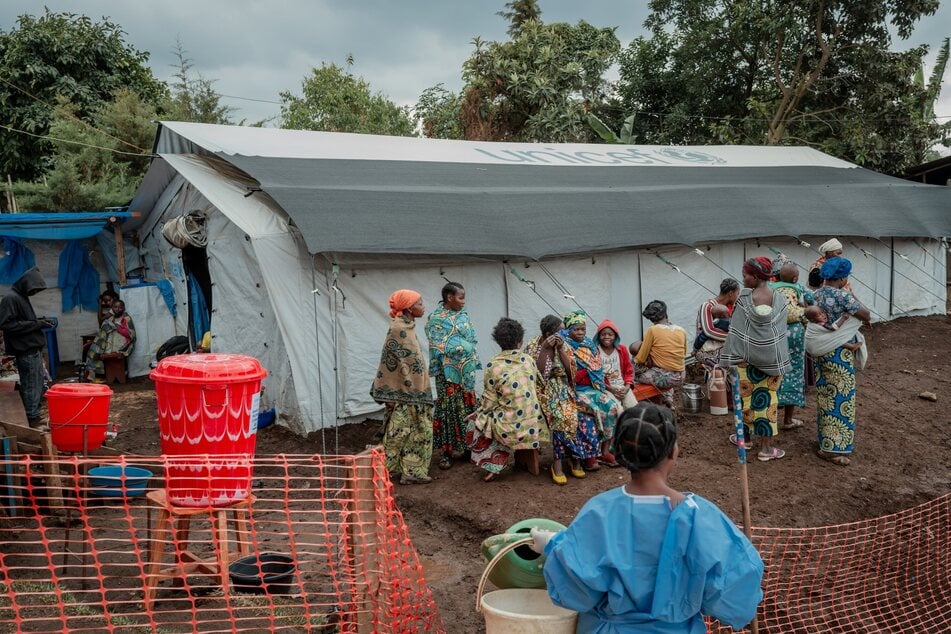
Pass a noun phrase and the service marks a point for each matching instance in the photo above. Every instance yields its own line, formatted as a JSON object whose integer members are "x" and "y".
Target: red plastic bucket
{"x": 75, "y": 407}
{"x": 208, "y": 409}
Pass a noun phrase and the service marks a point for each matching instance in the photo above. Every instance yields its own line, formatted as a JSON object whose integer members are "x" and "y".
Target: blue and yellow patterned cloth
{"x": 452, "y": 346}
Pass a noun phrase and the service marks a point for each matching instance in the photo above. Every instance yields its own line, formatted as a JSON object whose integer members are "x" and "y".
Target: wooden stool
{"x": 114, "y": 365}
{"x": 528, "y": 458}
{"x": 188, "y": 562}
{"x": 646, "y": 392}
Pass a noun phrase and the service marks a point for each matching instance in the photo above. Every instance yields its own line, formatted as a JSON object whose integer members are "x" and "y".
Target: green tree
{"x": 94, "y": 164}
{"x": 193, "y": 97}
{"x": 438, "y": 113}
{"x": 334, "y": 100}
{"x": 932, "y": 92}
{"x": 518, "y": 13}
{"x": 814, "y": 72}
{"x": 61, "y": 55}
{"x": 537, "y": 86}
{"x": 625, "y": 136}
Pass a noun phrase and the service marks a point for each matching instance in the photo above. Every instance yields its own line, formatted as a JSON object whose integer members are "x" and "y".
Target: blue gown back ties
{"x": 631, "y": 564}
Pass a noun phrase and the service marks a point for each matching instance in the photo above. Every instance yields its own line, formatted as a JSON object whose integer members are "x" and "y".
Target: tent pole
{"x": 120, "y": 250}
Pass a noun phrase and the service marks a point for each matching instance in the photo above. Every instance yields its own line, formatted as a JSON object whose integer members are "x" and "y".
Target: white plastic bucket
{"x": 525, "y": 611}
{"x": 521, "y": 610}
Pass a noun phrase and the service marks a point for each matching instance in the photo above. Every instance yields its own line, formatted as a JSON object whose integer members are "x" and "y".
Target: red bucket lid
{"x": 208, "y": 368}
{"x": 79, "y": 389}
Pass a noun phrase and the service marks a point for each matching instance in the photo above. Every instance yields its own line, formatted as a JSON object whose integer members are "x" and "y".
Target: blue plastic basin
{"x": 119, "y": 480}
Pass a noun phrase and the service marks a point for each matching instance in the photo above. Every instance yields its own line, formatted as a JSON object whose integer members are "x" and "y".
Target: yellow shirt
{"x": 666, "y": 347}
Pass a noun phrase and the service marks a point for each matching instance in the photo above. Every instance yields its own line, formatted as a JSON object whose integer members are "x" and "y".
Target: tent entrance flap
{"x": 200, "y": 306}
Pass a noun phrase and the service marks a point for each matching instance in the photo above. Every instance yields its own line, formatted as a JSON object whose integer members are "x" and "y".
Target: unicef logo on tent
{"x": 690, "y": 156}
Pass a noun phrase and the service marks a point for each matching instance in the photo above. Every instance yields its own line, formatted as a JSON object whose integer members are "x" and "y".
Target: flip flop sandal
{"x": 794, "y": 423}
{"x": 774, "y": 454}
{"x": 746, "y": 444}
{"x": 445, "y": 463}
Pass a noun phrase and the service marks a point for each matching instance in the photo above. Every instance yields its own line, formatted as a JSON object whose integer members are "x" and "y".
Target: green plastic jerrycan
{"x": 522, "y": 567}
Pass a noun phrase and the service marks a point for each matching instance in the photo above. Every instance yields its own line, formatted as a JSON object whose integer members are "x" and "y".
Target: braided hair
{"x": 450, "y": 288}
{"x": 643, "y": 436}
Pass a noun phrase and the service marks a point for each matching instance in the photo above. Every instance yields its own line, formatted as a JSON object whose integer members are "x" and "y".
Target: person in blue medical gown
{"x": 646, "y": 558}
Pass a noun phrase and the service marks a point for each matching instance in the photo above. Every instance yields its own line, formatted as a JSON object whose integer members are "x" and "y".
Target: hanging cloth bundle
{"x": 186, "y": 230}
{"x": 15, "y": 259}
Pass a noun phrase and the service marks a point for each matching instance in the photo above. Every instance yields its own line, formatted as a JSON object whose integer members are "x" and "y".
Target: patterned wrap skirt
{"x": 792, "y": 390}
{"x": 582, "y": 444}
{"x": 760, "y": 403}
{"x": 835, "y": 401}
{"x": 453, "y": 404}
{"x": 408, "y": 439}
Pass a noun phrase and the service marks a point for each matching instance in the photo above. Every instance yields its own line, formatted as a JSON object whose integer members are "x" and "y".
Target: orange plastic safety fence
{"x": 318, "y": 546}
{"x": 888, "y": 574}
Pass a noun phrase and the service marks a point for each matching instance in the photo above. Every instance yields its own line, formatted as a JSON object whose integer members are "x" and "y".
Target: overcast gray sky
{"x": 256, "y": 49}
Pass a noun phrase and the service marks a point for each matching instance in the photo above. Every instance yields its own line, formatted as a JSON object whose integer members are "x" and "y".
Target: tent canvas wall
{"x": 308, "y": 233}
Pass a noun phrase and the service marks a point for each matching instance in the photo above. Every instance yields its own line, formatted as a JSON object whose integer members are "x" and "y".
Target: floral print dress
{"x": 509, "y": 417}
{"x": 792, "y": 390}
{"x": 573, "y": 433}
{"x": 453, "y": 363}
{"x": 402, "y": 384}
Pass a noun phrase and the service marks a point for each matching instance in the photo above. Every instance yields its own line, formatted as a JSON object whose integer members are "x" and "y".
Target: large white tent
{"x": 308, "y": 233}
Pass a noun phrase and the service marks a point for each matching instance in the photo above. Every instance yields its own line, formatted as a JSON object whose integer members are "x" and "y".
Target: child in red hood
{"x": 616, "y": 361}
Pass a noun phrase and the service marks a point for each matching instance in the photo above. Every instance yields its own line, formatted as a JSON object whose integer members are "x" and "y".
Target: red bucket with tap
{"x": 208, "y": 409}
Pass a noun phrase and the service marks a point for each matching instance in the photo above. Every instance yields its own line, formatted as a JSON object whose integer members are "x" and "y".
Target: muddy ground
{"x": 902, "y": 459}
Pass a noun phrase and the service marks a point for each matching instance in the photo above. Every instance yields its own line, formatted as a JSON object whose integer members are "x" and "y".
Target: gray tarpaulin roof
{"x": 371, "y": 194}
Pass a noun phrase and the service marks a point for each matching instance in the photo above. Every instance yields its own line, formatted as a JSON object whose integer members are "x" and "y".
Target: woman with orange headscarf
{"x": 402, "y": 385}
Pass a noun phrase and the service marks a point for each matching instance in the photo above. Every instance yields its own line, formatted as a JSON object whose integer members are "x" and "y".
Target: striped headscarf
{"x": 759, "y": 267}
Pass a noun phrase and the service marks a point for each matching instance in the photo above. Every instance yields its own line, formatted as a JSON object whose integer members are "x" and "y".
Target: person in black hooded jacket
{"x": 24, "y": 339}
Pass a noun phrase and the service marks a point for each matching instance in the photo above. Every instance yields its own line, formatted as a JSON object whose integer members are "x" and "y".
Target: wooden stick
{"x": 744, "y": 480}
{"x": 13, "y": 199}
{"x": 120, "y": 250}
{"x": 8, "y": 192}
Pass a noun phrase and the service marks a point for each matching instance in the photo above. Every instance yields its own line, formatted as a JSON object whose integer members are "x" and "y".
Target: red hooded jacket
{"x": 627, "y": 369}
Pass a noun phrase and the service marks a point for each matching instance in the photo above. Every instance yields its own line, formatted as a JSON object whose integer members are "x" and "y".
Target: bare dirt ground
{"x": 903, "y": 458}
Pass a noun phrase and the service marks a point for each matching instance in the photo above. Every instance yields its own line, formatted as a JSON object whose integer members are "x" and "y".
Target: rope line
{"x": 90, "y": 145}
{"x": 851, "y": 277}
{"x": 869, "y": 254}
{"x": 567, "y": 294}
{"x": 531, "y": 285}
{"x": 702, "y": 254}
{"x": 944, "y": 245}
{"x": 700, "y": 117}
{"x": 909, "y": 261}
{"x": 679, "y": 270}
{"x": 71, "y": 115}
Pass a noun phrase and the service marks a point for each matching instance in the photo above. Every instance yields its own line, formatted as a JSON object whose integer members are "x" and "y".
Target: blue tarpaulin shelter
{"x": 78, "y": 280}
{"x": 58, "y": 225}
